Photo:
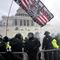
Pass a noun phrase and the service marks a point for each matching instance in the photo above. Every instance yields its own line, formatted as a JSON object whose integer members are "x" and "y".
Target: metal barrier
{"x": 18, "y": 54}
{"x": 52, "y": 54}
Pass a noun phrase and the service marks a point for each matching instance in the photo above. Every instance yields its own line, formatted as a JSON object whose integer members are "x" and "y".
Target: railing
{"x": 16, "y": 54}
{"x": 52, "y": 54}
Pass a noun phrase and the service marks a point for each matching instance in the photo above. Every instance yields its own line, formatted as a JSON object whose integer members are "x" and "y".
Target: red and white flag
{"x": 37, "y": 10}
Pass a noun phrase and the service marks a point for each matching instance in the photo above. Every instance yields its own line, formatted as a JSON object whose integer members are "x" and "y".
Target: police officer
{"x": 17, "y": 45}
{"x": 46, "y": 45}
{"x": 6, "y": 44}
{"x": 6, "y": 47}
{"x": 56, "y": 45}
{"x": 1, "y": 48}
{"x": 32, "y": 46}
{"x": 56, "y": 41}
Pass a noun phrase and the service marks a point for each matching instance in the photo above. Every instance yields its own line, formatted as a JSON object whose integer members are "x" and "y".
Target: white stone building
{"x": 20, "y": 23}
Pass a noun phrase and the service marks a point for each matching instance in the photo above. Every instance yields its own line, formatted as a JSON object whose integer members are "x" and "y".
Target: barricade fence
{"x": 52, "y": 54}
{"x": 13, "y": 55}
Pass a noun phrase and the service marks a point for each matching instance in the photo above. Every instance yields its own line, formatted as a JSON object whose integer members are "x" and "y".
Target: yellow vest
{"x": 54, "y": 43}
{"x": 8, "y": 46}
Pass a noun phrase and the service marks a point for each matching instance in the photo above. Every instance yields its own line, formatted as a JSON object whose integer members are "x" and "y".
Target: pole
{"x": 8, "y": 18}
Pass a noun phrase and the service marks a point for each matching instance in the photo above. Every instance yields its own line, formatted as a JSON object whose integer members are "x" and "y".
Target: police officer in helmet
{"x": 32, "y": 46}
{"x": 46, "y": 45}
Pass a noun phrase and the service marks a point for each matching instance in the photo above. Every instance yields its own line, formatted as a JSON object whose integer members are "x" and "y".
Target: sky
{"x": 5, "y": 6}
{"x": 52, "y": 5}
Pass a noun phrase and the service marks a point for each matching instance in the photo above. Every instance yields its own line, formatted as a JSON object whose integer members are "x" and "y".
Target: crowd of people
{"x": 30, "y": 45}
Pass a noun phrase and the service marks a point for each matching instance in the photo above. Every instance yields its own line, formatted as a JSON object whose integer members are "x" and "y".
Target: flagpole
{"x": 8, "y": 17}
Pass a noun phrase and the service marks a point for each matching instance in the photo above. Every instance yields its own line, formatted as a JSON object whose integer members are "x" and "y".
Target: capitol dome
{"x": 21, "y": 12}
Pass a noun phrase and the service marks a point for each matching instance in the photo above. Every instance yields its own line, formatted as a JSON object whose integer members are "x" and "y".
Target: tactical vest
{"x": 8, "y": 47}
{"x": 54, "y": 43}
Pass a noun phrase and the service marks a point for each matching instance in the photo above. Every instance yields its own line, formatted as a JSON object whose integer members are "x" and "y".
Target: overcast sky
{"x": 52, "y": 5}
{"x": 5, "y": 5}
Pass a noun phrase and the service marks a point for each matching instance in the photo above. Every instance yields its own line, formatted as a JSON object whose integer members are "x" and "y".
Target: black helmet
{"x": 18, "y": 36}
{"x": 30, "y": 35}
{"x": 46, "y": 33}
{"x": 5, "y": 39}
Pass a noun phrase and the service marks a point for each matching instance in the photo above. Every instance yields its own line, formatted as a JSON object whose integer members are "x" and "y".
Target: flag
{"x": 37, "y": 10}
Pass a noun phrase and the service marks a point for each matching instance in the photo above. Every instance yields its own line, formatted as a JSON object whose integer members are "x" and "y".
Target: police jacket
{"x": 16, "y": 44}
{"x": 32, "y": 45}
{"x": 46, "y": 42}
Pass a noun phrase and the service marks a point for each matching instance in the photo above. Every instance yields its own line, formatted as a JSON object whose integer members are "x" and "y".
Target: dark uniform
{"x": 1, "y": 41}
{"x": 1, "y": 48}
{"x": 32, "y": 46}
{"x": 46, "y": 45}
{"x": 5, "y": 48}
{"x": 17, "y": 45}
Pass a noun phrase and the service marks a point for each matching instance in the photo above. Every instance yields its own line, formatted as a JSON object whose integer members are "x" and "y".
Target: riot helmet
{"x": 46, "y": 33}
{"x": 19, "y": 36}
{"x": 30, "y": 35}
{"x": 5, "y": 39}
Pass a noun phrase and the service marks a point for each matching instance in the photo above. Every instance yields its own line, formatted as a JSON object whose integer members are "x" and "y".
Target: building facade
{"x": 20, "y": 23}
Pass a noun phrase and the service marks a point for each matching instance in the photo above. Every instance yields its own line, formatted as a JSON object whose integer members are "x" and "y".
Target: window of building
{"x": 21, "y": 23}
{"x": 15, "y": 22}
{"x": 24, "y": 22}
{"x": 27, "y": 22}
{"x": 22, "y": 14}
{"x": 32, "y": 23}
